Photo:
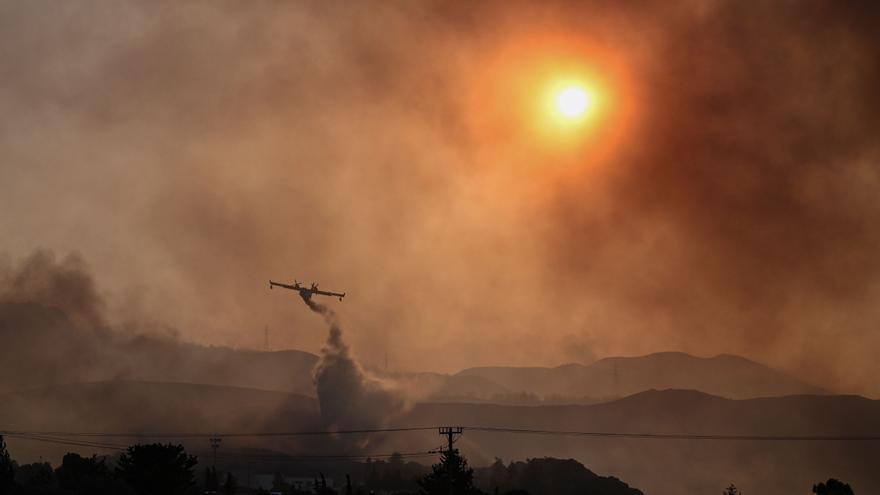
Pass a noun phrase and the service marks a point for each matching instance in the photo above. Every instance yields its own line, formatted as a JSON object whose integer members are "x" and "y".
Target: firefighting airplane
{"x": 306, "y": 292}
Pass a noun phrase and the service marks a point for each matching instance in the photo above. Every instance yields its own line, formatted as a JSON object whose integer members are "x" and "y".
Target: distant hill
{"x": 549, "y": 476}
{"x": 656, "y": 466}
{"x": 157, "y": 360}
{"x": 139, "y": 407}
{"x": 441, "y": 387}
{"x": 43, "y": 347}
{"x": 724, "y": 376}
{"x": 672, "y": 467}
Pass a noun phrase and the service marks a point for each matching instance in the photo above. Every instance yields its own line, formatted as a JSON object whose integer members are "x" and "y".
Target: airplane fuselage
{"x": 306, "y": 292}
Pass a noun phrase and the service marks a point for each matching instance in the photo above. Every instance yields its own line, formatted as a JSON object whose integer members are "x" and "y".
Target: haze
{"x": 723, "y": 201}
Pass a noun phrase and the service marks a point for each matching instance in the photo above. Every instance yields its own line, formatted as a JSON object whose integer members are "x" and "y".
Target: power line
{"x": 234, "y": 455}
{"x": 677, "y": 436}
{"x": 62, "y": 441}
{"x": 227, "y": 434}
{"x": 283, "y": 457}
{"x": 485, "y": 429}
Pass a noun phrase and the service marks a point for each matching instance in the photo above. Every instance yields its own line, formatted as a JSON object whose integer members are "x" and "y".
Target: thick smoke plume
{"x": 64, "y": 365}
{"x": 52, "y": 325}
{"x": 349, "y": 397}
{"x": 737, "y": 213}
{"x": 65, "y": 285}
{"x": 54, "y": 330}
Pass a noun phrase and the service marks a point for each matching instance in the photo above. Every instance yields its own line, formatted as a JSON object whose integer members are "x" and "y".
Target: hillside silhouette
{"x": 725, "y": 376}
{"x": 548, "y": 476}
{"x": 43, "y": 347}
{"x": 60, "y": 374}
{"x": 48, "y": 348}
{"x": 655, "y": 466}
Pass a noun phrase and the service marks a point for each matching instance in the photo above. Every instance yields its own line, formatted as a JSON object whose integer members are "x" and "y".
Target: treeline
{"x": 139, "y": 470}
{"x": 166, "y": 469}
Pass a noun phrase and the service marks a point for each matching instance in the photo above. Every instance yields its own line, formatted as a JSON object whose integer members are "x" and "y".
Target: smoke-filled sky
{"x": 722, "y": 199}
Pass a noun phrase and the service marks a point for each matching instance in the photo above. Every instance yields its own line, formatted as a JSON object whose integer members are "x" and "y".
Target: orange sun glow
{"x": 573, "y": 102}
{"x": 553, "y": 100}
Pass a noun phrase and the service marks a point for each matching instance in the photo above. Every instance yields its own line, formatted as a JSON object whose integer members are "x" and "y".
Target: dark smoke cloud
{"x": 349, "y": 397}
{"x": 51, "y": 324}
{"x": 191, "y": 150}
{"x": 65, "y": 285}
{"x": 54, "y": 331}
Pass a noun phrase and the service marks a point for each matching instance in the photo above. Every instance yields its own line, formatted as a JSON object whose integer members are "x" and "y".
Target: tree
{"x": 279, "y": 485}
{"x": 393, "y": 477}
{"x": 157, "y": 469}
{"x": 87, "y": 476}
{"x": 550, "y": 476}
{"x": 499, "y": 479}
{"x": 74, "y": 469}
{"x": 38, "y": 475}
{"x": 211, "y": 483}
{"x": 451, "y": 476}
{"x": 7, "y": 469}
{"x": 295, "y": 490}
{"x": 230, "y": 485}
{"x": 323, "y": 489}
{"x": 832, "y": 487}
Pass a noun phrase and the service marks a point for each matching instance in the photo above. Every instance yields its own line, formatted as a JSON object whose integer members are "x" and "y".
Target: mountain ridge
{"x": 725, "y": 375}
{"x": 662, "y": 467}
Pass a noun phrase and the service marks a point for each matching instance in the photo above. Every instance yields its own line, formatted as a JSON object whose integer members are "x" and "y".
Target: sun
{"x": 572, "y": 110}
{"x": 570, "y": 106}
{"x": 572, "y": 102}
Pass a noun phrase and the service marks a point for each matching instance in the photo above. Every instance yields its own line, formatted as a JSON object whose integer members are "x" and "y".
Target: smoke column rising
{"x": 349, "y": 397}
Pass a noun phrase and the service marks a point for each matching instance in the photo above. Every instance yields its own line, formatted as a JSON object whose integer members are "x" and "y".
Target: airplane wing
{"x": 326, "y": 293}
{"x": 286, "y": 286}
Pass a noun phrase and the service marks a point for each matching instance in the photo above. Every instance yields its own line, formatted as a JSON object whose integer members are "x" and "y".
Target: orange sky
{"x": 720, "y": 199}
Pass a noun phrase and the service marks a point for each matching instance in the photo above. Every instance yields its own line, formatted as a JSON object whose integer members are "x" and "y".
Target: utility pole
{"x": 450, "y": 433}
{"x": 215, "y": 444}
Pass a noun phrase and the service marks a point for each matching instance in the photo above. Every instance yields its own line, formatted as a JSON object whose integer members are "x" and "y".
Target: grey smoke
{"x": 65, "y": 285}
{"x": 739, "y": 217}
{"x": 348, "y": 396}
{"x": 55, "y": 330}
